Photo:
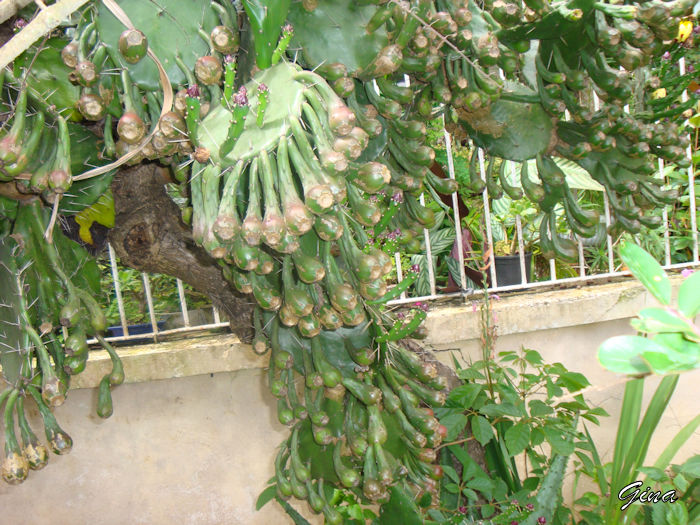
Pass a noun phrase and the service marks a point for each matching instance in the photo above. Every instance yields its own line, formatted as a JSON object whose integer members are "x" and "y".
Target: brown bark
{"x": 150, "y": 236}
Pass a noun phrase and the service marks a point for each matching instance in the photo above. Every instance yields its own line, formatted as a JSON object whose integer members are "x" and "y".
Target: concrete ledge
{"x": 186, "y": 357}
{"x": 516, "y": 313}
{"x": 543, "y": 310}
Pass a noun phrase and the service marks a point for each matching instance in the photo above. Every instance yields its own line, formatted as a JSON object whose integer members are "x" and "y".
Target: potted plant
{"x": 505, "y": 238}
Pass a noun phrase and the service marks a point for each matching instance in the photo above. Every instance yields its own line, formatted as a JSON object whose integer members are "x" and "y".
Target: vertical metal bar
{"x": 611, "y": 258}
{"x": 691, "y": 178}
{"x": 428, "y": 252}
{"x": 552, "y": 270}
{"x": 183, "y": 303}
{"x": 521, "y": 248}
{"x": 149, "y": 301}
{"x": 455, "y": 207}
{"x": 217, "y": 317}
{"x": 399, "y": 271}
{"x": 117, "y": 289}
{"x": 581, "y": 259}
{"x": 667, "y": 235}
{"x": 487, "y": 219}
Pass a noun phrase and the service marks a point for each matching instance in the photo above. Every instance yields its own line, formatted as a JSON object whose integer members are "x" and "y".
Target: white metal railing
{"x": 585, "y": 275}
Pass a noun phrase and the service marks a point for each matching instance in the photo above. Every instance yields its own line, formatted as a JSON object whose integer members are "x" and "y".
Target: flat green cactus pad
{"x": 510, "y": 130}
{"x": 48, "y": 78}
{"x": 13, "y": 336}
{"x": 336, "y": 32}
{"x": 286, "y": 98}
{"x": 171, "y": 27}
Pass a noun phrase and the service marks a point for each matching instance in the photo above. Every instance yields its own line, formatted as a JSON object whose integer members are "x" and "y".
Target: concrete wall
{"x": 193, "y": 436}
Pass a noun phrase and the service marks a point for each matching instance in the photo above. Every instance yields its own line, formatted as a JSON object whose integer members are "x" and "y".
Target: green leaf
{"x": 680, "y": 482}
{"x": 400, "y": 510}
{"x": 517, "y": 438}
{"x": 465, "y": 395}
{"x": 659, "y": 320}
{"x": 621, "y": 354}
{"x": 689, "y": 295}
{"x": 574, "y": 381}
{"x": 265, "y": 496}
{"x": 455, "y": 424}
{"x": 677, "y": 514}
{"x": 692, "y": 466}
{"x": 482, "y": 484}
{"x": 297, "y": 518}
{"x": 653, "y": 473}
{"x": 669, "y": 362}
{"x": 482, "y": 429}
{"x": 451, "y": 473}
{"x": 645, "y": 268}
{"x": 539, "y": 408}
{"x": 561, "y": 444}
{"x": 501, "y": 409}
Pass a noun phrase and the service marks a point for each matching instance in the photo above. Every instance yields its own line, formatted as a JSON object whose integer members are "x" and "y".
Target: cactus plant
{"x": 298, "y": 131}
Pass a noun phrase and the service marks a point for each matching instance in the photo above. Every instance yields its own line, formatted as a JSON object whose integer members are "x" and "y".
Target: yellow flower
{"x": 659, "y": 93}
{"x": 684, "y": 30}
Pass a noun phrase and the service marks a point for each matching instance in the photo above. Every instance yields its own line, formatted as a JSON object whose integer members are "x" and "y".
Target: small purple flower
{"x": 463, "y": 509}
{"x": 193, "y": 91}
{"x": 397, "y": 197}
{"x": 697, "y": 92}
{"x": 370, "y": 241}
{"x": 541, "y": 520}
{"x": 495, "y": 297}
{"x": 18, "y": 24}
{"x": 514, "y": 502}
{"x": 415, "y": 268}
{"x": 288, "y": 29}
{"x": 666, "y": 56}
{"x": 530, "y": 506}
{"x": 690, "y": 68}
{"x": 401, "y": 315}
{"x": 513, "y": 522}
{"x": 241, "y": 98}
{"x": 262, "y": 88}
{"x": 373, "y": 198}
{"x": 229, "y": 58}
{"x": 423, "y": 306}
{"x": 687, "y": 272}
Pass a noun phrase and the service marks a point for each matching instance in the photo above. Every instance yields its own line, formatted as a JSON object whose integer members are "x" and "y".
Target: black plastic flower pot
{"x": 508, "y": 269}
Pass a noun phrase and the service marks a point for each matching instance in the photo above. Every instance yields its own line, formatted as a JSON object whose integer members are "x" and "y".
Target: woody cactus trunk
{"x": 297, "y": 132}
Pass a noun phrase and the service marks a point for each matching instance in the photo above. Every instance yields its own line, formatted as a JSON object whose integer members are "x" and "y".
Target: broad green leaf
{"x": 677, "y": 514}
{"x": 265, "y": 496}
{"x": 400, "y": 510}
{"x": 517, "y": 438}
{"x": 680, "y": 482}
{"x": 680, "y": 344}
{"x": 451, "y": 472}
{"x": 574, "y": 381}
{"x": 482, "y": 484}
{"x": 465, "y": 395}
{"x": 692, "y": 466}
{"x": 621, "y": 354}
{"x": 501, "y": 409}
{"x": 454, "y": 423}
{"x": 297, "y": 518}
{"x": 561, "y": 444}
{"x": 689, "y": 295}
{"x": 645, "y": 268}
{"x": 668, "y": 362}
{"x": 482, "y": 429}
{"x": 653, "y": 473}
{"x": 539, "y": 408}
{"x": 658, "y": 320}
